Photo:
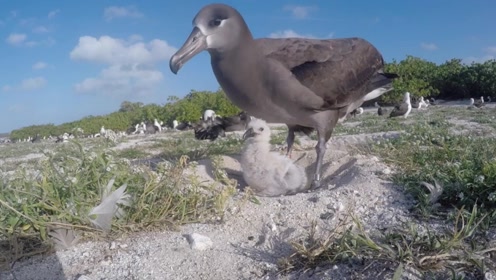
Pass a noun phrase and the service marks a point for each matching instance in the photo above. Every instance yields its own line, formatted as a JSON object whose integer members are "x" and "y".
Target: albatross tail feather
{"x": 391, "y": 75}
{"x": 380, "y": 84}
{"x": 381, "y": 80}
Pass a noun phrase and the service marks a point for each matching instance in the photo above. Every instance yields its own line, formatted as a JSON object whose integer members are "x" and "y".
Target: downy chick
{"x": 268, "y": 173}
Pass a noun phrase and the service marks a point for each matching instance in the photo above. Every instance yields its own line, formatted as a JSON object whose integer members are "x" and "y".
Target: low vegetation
{"x": 459, "y": 252}
{"x": 195, "y": 150}
{"x": 73, "y": 193}
{"x": 451, "y": 172}
{"x": 189, "y": 108}
{"x": 449, "y": 80}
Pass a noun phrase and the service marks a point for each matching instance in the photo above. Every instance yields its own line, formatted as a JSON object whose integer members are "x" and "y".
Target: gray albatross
{"x": 305, "y": 83}
{"x": 479, "y": 103}
{"x": 402, "y": 109}
{"x": 211, "y": 129}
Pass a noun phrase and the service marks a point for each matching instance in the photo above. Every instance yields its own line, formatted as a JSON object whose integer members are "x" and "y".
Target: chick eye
{"x": 261, "y": 129}
{"x": 216, "y": 22}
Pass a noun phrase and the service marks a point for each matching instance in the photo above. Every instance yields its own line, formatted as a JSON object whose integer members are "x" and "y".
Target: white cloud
{"x": 32, "y": 83}
{"x": 428, "y": 46}
{"x": 121, "y": 12}
{"x": 17, "y": 108}
{"x": 489, "y": 54}
{"x": 481, "y": 59}
{"x": 16, "y": 38}
{"x": 117, "y": 51}
{"x": 131, "y": 64}
{"x": 122, "y": 79}
{"x": 28, "y": 84}
{"x": 27, "y": 21}
{"x": 13, "y": 14}
{"x": 53, "y": 13}
{"x": 300, "y": 12}
{"x": 289, "y": 33}
{"x": 135, "y": 38}
{"x": 39, "y": 65}
{"x": 491, "y": 49}
{"x": 46, "y": 42}
{"x": 40, "y": 29}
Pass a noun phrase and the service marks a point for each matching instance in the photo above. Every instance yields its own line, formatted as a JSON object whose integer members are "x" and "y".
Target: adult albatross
{"x": 305, "y": 83}
{"x": 403, "y": 108}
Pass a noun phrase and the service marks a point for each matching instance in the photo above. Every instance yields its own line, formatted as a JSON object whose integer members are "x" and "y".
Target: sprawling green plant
{"x": 78, "y": 192}
{"x": 464, "y": 165}
{"x": 189, "y": 108}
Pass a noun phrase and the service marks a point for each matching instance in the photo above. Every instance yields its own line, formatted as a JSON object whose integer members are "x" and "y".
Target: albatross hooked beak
{"x": 195, "y": 43}
{"x": 249, "y": 133}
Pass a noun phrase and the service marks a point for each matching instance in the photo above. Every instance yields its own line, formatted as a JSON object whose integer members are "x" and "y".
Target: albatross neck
{"x": 239, "y": 72}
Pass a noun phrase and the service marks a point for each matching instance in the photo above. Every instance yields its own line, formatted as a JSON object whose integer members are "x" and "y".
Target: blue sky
{"x": 63, "y": 60}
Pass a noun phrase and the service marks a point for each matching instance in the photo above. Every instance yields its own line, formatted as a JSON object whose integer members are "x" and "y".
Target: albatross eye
{"x": 215, "y": 22}
{"x": 261, "y": 129}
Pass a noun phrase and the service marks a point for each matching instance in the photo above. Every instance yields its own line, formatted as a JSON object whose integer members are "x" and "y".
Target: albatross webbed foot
{"x": 316, "y": 183}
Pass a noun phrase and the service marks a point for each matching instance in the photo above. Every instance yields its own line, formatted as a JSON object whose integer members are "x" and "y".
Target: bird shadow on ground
{"x": 230, "y": 165}
{"x": 344, "y": 174}
{"x": 326, "y": 168}
{"x": 15, "y": 250}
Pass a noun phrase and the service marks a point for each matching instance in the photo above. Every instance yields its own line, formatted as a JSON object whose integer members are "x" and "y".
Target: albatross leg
{"x": 323, "y": 137}
{"x": 290, "y": 140}
{"x": 320, "y": 149}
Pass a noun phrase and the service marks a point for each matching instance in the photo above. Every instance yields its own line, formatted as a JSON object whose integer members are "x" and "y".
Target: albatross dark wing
{"x": 338, "y": 70}
{"x": 209, "y": 129}
{"x": 399, "y": 110}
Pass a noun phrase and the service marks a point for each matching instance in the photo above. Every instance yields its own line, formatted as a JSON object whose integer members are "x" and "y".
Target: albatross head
{"x": 217, "y": 28}
{"x": 257, "y": 129}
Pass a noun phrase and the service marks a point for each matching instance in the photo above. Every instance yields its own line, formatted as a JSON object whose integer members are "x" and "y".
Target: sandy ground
{"x": 253, "y": 237}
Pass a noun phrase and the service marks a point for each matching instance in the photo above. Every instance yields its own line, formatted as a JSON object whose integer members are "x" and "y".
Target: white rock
{"x": 386, "y": 171}
{"x": 199, "y": 242}
{"x": 84, "y": 277}
{"x": 490, "y": 275}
